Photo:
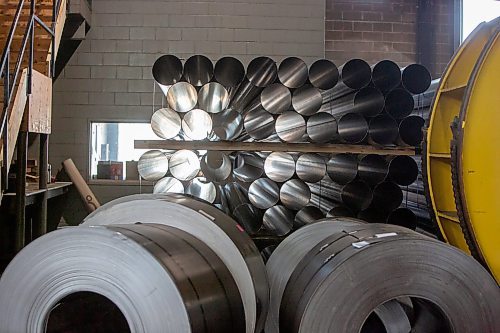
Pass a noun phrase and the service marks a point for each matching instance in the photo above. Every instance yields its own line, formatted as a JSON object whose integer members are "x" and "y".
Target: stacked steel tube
{"x": 276, "y": 191}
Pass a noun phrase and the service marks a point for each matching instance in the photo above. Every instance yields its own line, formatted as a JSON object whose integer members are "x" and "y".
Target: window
{"x": 112, "y": 153}
{"x": 477, "y": 11}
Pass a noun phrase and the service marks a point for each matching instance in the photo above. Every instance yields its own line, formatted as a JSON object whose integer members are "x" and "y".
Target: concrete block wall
{"x": 109, "y": 77}
{"x": 385, "y": 29}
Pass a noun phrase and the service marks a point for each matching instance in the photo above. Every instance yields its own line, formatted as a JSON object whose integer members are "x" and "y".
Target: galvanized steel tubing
{"x": 241, "y": 209}
{"x": 293, "y": 72}
{"x": 198, "y": 70}
{"x": 368, "y": 101}
{"x": 229, "y": 72}
{"x": 323, "y": 74}
{"x": 275, "y": 99}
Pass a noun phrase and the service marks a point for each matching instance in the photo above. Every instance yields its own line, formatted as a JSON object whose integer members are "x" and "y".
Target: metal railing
{"x": 10, "y": 77}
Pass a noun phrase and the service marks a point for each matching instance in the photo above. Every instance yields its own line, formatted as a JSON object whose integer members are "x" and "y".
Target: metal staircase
{"x": 30, "y": 33}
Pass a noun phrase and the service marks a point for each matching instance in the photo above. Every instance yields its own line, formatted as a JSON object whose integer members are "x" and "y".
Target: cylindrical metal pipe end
{"x": 383, "y": 130}
{"x": 416, "y": 78}
{"x": 357, "y": 195}
{"x": 229, "y": 72}
{"x": 216, "y": 166}
{"x": 310, "y": 167}
{"x": 153, "y": 165}
{"x": 197, "y": 124}
{"x": 213, "y": 97}
{"x": 264, "y": 193}
{"x": 295, "y": 194}
{"x": 262, "y": 71}
{"x": 386, "y": 75}
{"x": 292, "y": 72}
{"x": 340, "y": 211}
{"x": 387, "y": 196}
{"x": 342, "y": 168}
{"x": 290, "y": 126}
{"x": 355, "y": 73}
{"x": 202, "y": 188}
{"x": 322, "y": 127}
{"x": 167, "y": 70}
{"x": 307, "y": 100}
{"x": 279, "y": 166}
{"x": 168, "y": 185}
{"x": 184, "y": 165}
{"x": 182, "y": 97}
{"x": 276, "y": 98}
{"x": 352, "y": 128}
{"x": 227, "y": 125}
{"x": 403, "y": 170}
{"x": 399, "y": 103}
{"x": 410, "y": 131}
{"x": 323, "y": 74}
{"x": 166, "y": 123}
{"x": 373, "y": 169}
{"x": 278, "y": 220}
{"x": 198, "y": 70}
{"x": 259, "y": 124}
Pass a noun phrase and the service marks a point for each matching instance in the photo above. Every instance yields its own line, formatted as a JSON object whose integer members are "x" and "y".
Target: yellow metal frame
{"x": 477, "y": 180}
{"x": 437, "y": 153}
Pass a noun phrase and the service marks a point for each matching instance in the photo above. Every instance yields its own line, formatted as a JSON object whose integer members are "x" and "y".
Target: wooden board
{"x": 271, "y": 146}
{"x": 38, "y": 117}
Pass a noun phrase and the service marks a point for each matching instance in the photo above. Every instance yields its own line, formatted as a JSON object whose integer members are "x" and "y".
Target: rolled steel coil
{"x": 344, "y": 276}
{"x": 205, "y": 222}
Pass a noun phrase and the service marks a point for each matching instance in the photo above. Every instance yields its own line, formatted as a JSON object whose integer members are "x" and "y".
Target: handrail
{"x": 5, "y": 73}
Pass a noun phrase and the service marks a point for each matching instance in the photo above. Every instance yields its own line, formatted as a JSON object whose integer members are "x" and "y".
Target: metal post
{"x": 32, "y": 47}
{"x": 40, "y": 227}
{"x": 22, "y": 153}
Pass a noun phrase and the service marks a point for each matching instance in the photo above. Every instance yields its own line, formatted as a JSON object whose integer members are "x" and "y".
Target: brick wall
{"x": 386, "y": 29}
{"x": 109, "y": 77}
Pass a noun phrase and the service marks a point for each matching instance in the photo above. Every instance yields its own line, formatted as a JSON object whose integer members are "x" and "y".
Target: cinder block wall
{"x": 374, "y": 30}
{"x": 109, "y": 77}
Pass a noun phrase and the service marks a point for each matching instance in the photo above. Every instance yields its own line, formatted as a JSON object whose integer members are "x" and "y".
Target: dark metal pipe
{"x": 323, "y": 74}
{"x": 417, "y": 198}
{"x": 22, "y": 155}
{"x": 342, "y": 168}
{"x": 167, "y": 70}
{"x": 307, "y": 100}
{"x": 216, "y": 166}
{"x": 261, "y": 72}
{"x": 198, "y": 70}
{"x": 264, "y": 193}
{"x": 356, "y": 195}
{"x": 399, "y": 103}
{"x": 354, "y": 75}
{"x": 411, "y": 131}
{"x": 323, "y": 203}
{"x": 278, "y": 220}
{"x": 367, "y": 101}
{"x": 352, "y": 128}
{"x": 229, "y": 72}
{"x": 403, "y": 217}
{"x": 415, "y": 78}
{"x": 306, "y": 215}
{"x": 322, "y": 128}
{"x": 383, "y": 130}
{"x": 295, "y": 194}
{"x": 292, "y": 72}
{"x": 248, "y": 167}
{"x": 386, "y": 75}
{"x": 275, "y": 99}
{"x": 249, "y": 217}
{"x": 339, "y": 211}
{"x": 310, "y": 167}
{"x": 403, "y": 170}
{"x": 259, "y": 124}
{"x": 373, "y": 169}
{"x": 227, "y": 125}
{"x": 387, "y": 196}
{"x": 290, "y": 126}
{"x": 279, "y": 166}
